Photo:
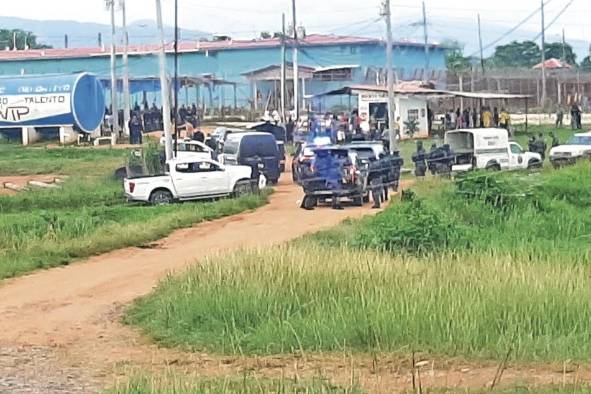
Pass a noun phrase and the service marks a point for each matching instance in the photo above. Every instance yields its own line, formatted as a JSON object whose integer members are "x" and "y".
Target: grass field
{"x": 18, "y": 160}
{"x": 88, "y": 215}
{"x": 500, "y": 262}
{"x": 176, "y": 384}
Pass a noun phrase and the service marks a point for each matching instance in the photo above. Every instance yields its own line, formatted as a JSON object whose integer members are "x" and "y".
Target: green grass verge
{"x": 19, "y": 160}
{"x": 88, "y": 215}
{"x": 175, "y": 384}
{"x": 469, "y": 270}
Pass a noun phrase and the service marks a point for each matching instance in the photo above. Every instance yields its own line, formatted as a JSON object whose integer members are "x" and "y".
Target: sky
{"x": 246, "y": 18}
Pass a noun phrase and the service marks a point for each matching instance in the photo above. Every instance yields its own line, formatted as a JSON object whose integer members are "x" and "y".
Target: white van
{"x": 488, "y": 149}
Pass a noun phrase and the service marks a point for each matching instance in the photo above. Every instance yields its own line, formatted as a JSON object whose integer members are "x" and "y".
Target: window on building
{"x": 413, "y": 114}
{"x": 341, "y": 74}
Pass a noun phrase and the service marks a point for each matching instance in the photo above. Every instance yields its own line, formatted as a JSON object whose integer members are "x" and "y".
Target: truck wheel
{"x": 309, "y": 203}
{"x": 161, "y": 197}
{"x": 493, "y": 167}
{"x": 534, "y": 164}
{"x": 242, "y": 188}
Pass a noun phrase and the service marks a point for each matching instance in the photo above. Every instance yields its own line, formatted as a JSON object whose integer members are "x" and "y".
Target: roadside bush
{"x": 413, "y": 227}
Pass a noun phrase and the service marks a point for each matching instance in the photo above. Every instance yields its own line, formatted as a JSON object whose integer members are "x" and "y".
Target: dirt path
{"x": 70, "y": 315}
{"x": 60, "y": 329}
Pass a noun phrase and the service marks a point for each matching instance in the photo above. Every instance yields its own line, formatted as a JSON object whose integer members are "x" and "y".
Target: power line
{"x": 555, "y": 18}
{"x": 512, "y": 30}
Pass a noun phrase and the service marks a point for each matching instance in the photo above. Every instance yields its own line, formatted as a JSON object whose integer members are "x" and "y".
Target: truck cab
{"x": 488, "y": 149}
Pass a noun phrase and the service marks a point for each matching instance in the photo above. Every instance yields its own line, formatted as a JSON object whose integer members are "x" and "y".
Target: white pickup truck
{"x": 578, "y": 147}
{"x": 190, "y": 179}
{"x": 489, "y": 149}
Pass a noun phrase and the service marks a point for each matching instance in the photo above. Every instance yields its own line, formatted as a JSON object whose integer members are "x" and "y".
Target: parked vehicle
{"x": 256, "y": 150}
{"x": 304, "y": 152}
{"x": 218, "y": 137}
{"x": 488, "y": 149}
{"x": 333, "y": 173}
{"x": 578, "y": 147}
{"x": 267, "y": 127}
{"x": 384, "y": 167}
{"x": 191, "y": 179}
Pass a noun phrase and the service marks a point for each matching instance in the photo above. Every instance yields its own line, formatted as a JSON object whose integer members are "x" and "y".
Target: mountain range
{"x": 52, "y": 33}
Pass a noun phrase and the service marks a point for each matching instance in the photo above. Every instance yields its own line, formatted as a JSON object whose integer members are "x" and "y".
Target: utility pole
{"x": 114, "y": 104}
{"x": 480, "y": 44}
{"x": 543, "y": 56}
{"x": 563, "y": 47}
{"x": 100, "y": 40}
{"x": 126, "y": 98}
{"x": 296, "y": 82}
{"x": 283, "y": 55}
{"x": 66, "y": 41}
{"x": 390, "y": 76}
{"x": 426, "y": 78}
{"x": 164, "y": 86}
{"x": 176, "y": 77}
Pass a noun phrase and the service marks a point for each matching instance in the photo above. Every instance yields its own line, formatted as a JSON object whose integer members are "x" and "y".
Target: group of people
{"x": 470, "y": 118}
{"x": 438, "y": 160}
{"x": 149, "y": 119}
{"x": 539, "y": 145}
{"x": 576, "y": 117}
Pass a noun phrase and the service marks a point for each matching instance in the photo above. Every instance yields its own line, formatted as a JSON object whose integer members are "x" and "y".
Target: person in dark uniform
{"x": 541, "y": 146}
{"x": 531, "y": 144}
{"x": 419, "y": 158}
{"x": 135, "y": 130}
{"x": 555, "y": 140}
{"x": 199, "y": 136}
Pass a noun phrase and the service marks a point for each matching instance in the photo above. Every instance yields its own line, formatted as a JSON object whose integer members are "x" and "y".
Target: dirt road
{"x": 60, "y": 330}
{"x": 67, "y": 317}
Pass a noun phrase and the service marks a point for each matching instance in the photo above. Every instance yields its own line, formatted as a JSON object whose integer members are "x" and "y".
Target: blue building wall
{"x": 232, "y": 64}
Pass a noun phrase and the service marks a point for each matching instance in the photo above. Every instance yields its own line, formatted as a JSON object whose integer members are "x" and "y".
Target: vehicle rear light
{"x": 131, "y": 187}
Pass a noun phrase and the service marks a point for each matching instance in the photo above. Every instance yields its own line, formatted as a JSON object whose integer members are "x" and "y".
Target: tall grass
{"x": 175, "y": 384}
{"x": 301, "y": 299}
{"x": 456, "y": 272}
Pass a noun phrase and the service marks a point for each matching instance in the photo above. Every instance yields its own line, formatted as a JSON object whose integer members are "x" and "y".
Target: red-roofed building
{"x": 553, "y": 64}
{"x": 232, "y": 60}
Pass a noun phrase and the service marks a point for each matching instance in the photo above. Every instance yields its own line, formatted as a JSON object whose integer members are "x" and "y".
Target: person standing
{"x": 559, "y": 117}
{"x": 555, "y": 141}
{"x": 419, "y": 158}
{"x": 289, "y": 129}
{"x": 541, "y": 146}
{"x": 487, "y": 118}
{"x": 135, "y": 130}
{"x": 496, "y": 117}
{"x": 504, "y": 119}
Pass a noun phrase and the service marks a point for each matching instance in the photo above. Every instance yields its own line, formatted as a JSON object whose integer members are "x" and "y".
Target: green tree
{"x": 456, "y": 62}
{"x": 586, "y": 64}
{"x": 555, "y": 50}
{"x": 23, "y": 39}
{"x": 517, "y": 54}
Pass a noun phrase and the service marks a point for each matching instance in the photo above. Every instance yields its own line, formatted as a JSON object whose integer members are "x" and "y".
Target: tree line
{"x": 521, "y": 54}
{"x": 22, "y": 39}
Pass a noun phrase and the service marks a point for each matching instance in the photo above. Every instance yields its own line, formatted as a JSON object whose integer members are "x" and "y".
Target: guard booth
{"x": 73, "y": 103}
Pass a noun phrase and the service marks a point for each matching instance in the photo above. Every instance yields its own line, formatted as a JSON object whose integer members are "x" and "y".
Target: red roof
{"x": 553, "y": 64}
{"x": 189, "y": 46}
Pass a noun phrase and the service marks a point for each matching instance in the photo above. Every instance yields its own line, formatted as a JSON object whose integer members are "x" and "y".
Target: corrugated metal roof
{"x": 190, "y": 47}
{"x": 552, "y": 64}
